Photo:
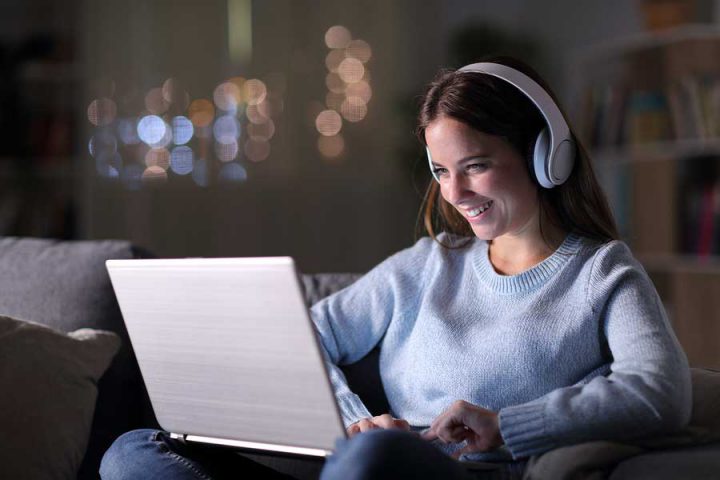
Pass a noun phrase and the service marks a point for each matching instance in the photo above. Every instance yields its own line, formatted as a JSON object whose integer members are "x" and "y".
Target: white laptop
{"x": 228, "y": 352}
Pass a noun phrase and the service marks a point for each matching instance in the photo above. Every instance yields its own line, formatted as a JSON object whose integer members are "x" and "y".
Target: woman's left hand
{"x": 464, "y": 421}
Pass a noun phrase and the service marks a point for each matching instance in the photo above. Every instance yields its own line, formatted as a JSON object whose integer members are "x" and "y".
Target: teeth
{"x": 477, "y": 211}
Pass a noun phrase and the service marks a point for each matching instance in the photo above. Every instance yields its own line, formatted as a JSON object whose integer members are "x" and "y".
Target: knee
{"x": 376, "y": 454}
{"x": 124, "y": 458}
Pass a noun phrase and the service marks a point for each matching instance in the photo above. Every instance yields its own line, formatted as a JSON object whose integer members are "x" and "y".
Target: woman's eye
{"x": 440, "y": 171}
{"x": 476, "y": 167}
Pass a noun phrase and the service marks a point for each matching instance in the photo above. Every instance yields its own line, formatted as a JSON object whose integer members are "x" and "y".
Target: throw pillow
{"x": 48, "y": 387}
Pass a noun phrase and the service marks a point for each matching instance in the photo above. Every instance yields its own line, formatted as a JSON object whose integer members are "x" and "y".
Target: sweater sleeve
{"x": 352, "y": 322}
{"x": 648, "y": 389}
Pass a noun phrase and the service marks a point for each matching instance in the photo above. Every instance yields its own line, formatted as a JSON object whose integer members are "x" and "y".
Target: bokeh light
{"x": 261, "y": 131}
{"x": 337, "y": 36}
{"x": 359, "y": 49}
{"x": 232, "y": 172}
{"x": 101, "y": 112}
{"x": 353, "y": 109}
{"x": 127, "y": 131}
{"x": 158, "y": 157}
{"x": 155, "y": 103}
{"x": 328, "y": 123}
{"x": 227, "y": 96}
{"x": 334, "y": 83}
{"x": 257, "y": 150}
{"x": 182, "y": 130}
{"x": 351, "y": 70}
{"x": 102, "y": 141}
{"x": 254, "y": 91}
{"x": 201, "y": 112}
{"x": 107, "y": 162}
{"x": 181, "y": 160}
{"x": 154, "y": 175}
{"x": 331, "y": 147}
{"x": 174, "y": 94}
{"x": 359, "y": 89}
{"x": 254, "y": 114}
{"x": 226, "y": 152}
{"x": 226, "y": 129}
{"x": 333, "y": 59}
{"x": 152, "y": 130}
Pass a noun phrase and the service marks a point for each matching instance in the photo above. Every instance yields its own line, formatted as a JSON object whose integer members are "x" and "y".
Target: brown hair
{"x": 495, "y": 107}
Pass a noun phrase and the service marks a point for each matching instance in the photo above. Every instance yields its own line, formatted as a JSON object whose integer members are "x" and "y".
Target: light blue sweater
{"x": 576, "y": 348}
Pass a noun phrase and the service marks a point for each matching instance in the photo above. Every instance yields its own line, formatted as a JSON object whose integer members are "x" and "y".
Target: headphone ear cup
{"x": 540, "y": 158}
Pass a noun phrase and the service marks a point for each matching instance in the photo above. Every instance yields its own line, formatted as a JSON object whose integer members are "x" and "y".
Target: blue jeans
{"x": 377, "y": 455}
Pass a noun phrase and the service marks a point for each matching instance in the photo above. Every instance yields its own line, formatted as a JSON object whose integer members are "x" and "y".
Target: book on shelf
{"x": 687, "y": 108}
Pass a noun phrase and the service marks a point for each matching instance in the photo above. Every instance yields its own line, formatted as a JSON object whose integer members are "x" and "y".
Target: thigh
{"x": 153, "y": 454}
{"x": 392, "y": 454}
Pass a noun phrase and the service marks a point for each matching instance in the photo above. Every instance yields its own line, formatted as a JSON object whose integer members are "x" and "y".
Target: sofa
{"x": 64, "y": 285}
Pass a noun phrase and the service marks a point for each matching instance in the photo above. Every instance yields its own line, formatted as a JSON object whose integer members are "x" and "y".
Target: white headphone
{"x": 554, "y": 153}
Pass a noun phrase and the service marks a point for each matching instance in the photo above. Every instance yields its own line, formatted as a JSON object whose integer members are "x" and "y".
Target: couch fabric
{"x": 64, "y": 285}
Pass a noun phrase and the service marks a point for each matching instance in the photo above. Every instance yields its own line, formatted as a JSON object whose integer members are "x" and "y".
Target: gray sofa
{"x": 63, "y": 284}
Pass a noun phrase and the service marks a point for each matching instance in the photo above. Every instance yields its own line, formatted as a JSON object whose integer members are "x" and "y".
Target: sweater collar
{"x": 529, "y": 279}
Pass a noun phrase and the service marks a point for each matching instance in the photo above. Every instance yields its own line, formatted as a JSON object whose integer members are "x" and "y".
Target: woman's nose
{"x": 456, "y": 189}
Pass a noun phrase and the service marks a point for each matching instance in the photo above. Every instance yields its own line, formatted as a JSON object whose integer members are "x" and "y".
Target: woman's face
{"x": 484, "y": 177}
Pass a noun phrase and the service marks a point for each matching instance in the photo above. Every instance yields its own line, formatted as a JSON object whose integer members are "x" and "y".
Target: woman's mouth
{"x": 476, "y": 213}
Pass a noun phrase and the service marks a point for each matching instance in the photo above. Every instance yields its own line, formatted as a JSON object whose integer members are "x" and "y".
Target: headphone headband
{"x": 554, "y": 156}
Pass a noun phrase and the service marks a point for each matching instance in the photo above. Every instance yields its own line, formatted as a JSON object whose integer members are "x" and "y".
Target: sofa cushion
{"x": 49, "y": 384}
{"x": 64, "y": 284}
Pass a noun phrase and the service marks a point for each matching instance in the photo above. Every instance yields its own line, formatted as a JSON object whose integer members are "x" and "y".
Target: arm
{"x": 352, "y": 322}
{"x": 648, "y": 389}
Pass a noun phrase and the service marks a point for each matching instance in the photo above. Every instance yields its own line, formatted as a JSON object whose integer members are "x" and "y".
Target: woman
{"x": 522, "y": 324}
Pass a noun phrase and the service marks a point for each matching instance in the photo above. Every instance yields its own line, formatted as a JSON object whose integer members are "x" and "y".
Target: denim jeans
{"x": 376, "y": 455}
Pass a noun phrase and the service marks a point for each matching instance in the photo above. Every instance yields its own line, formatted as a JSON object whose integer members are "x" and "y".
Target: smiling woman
{"x": 495, "y": 111}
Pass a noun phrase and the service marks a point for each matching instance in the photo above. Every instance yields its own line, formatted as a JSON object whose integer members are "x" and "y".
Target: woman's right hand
{"x": 381, "y": 421}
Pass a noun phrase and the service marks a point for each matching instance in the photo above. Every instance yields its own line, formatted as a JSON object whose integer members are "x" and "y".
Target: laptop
{"x": 228, "y": 352}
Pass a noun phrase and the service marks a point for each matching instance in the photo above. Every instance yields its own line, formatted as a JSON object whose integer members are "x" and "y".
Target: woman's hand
{"x": 382, "y": 421}
{"x": 464, "y": 421}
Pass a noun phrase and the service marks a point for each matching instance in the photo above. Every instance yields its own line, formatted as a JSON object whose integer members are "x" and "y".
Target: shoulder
{"x": 612, "y": 258}
{"x": 614, "y": 269}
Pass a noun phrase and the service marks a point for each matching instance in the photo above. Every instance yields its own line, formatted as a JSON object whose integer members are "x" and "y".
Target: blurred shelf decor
{"x": 651, "y": 117}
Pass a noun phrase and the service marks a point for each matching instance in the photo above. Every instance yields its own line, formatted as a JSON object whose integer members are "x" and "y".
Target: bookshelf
{"x": 649, "y": 111}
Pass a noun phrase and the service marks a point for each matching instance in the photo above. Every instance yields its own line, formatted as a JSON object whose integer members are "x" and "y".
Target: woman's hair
{"x": 495, "y": 107}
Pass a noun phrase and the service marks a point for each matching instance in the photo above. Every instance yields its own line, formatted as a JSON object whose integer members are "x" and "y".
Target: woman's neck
{"x": 513, "y": 254}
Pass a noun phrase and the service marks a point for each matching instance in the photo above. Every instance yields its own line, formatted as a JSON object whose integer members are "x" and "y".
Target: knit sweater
{"x": 576, "y": 348}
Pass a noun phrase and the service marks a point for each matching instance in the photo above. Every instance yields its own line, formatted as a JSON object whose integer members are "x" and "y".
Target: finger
{"x": 401, "y": 424}
{"x": 454, "y": 434}
{"x": 429, "y": 435}
{"x": 366, "y": 425}
{"x": 384, "y": 421}
{"x": 353, "y": 429}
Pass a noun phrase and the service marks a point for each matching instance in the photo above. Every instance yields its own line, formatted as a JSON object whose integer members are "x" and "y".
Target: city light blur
{"x": 349, "y": 91}
{"x": 151, "y": 136}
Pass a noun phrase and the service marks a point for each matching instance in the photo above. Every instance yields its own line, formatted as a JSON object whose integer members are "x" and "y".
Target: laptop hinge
{"x": 177, "y": 436}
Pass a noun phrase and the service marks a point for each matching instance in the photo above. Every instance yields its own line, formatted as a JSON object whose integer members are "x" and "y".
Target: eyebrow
{"x": 465, "y": 159}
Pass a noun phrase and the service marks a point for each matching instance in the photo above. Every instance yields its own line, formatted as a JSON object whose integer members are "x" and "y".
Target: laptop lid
{"x": 228, "y": 352}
